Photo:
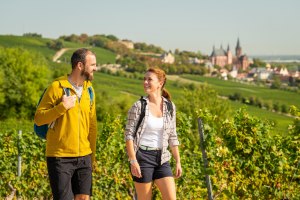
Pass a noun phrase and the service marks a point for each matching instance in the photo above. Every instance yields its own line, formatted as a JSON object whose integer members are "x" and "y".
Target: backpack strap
{"x": 67, "y": 91}
{"x": 142, "y": 115}
{"x": 91, "y": 94}
{"x": 90, "y": 90}
{"x": 170, "y": 108}
{"x": 143, "y": 108}
{"x": 41, "y": 98}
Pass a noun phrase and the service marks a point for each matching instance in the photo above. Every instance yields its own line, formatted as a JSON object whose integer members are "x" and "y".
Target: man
{"x": 71, "y": 137}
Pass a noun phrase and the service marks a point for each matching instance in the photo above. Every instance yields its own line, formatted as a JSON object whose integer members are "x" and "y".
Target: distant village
{"x": 240, "y": 66}
{"x": 226, "y": 65}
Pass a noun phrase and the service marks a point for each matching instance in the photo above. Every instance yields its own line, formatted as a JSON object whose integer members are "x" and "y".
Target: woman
{"x": 147, "y": 145}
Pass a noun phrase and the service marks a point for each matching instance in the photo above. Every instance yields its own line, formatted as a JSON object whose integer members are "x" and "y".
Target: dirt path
{"x": 59, "y": 53}
{"x": 124, "y": 92}
{"x": 183, "y": 80}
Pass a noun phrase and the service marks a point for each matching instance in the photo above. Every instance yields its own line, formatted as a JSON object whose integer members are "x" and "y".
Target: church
{"x": 223, "y": 57}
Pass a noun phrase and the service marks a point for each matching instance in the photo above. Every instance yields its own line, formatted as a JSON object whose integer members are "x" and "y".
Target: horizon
{"x": 263, "y": 28}
{"x": 281, "y": 56}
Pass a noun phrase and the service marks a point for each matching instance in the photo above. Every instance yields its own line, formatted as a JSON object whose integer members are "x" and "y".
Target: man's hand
{"x": 69, "y": 101}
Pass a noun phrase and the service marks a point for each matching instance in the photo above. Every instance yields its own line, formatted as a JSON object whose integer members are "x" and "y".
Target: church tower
{"x": 229, "y": 56}
{"x": 238, "y": 49}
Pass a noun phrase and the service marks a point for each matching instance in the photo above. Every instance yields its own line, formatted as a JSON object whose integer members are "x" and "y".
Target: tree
{"x": 257, "y": 63}
{"x": 83, "y": 38}
{"x": 25, "y": 76}
{"x": 55, "y": 44}
{"x": 202, "y": 97}
{"x": 112, "y": 37}
{"x": 32, "y": 35}
{"x": 99, "y": 41}
{"x": 276, "y": 83}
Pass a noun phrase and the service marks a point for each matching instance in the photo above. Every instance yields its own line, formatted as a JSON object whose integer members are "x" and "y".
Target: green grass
{"x": 131, "y": 89}
{"x": 118, "y": 87}
{"x": 30, "y": 43}
{"x": 226, "y": 88}
{"x": 281, "y": 121}
{"x": 103, "y": 56}
{"x": 40, "y": 45}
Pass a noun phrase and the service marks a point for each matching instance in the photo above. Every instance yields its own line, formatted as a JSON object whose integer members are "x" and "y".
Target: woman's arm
{"x": 174, "y": 145}
{"x": 130, "y": 135}
{"x": 175, "y": 153}
{"x": 134, "y": 165}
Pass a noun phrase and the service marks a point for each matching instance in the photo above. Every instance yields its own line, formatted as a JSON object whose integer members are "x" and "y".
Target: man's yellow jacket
{"x": 74, "y": 131}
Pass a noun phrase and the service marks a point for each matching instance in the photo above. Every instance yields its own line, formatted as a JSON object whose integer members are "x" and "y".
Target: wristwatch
{"x": 132, "y": 161}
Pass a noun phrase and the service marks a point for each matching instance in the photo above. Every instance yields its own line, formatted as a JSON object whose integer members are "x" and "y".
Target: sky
{"x": 264, "y": 27}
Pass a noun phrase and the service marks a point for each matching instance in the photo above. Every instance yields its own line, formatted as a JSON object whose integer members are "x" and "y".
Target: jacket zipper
{"x": 78, "y": 126}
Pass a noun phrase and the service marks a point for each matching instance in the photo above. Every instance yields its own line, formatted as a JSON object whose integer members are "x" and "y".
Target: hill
{"x": 114, "y": 86}
{"x": 39, "y": 44}
{"x": 129, "y": 89}
{"x": 227, "y": 88}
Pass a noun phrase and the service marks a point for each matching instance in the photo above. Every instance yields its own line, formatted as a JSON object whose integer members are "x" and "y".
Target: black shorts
{"x": 70, "y": 176}
{"x": 151, "y": 169}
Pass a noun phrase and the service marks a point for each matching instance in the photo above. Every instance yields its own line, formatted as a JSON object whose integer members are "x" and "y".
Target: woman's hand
{"x": 175, "y": 153}
{"x": 135, "y": 169}
{"x": 178, "y": 171}
{"x": 134, "y": 165}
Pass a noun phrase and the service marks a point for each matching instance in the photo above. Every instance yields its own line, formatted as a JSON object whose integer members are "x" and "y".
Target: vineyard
{"x": 248, "y": 157}
{"x": 245, "y": 162}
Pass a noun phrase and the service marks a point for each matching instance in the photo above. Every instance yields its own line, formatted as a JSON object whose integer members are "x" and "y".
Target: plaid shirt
{"x": 169, "y": 133}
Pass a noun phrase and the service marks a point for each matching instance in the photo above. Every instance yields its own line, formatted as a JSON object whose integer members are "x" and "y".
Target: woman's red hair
{"x": 161, "y": 75}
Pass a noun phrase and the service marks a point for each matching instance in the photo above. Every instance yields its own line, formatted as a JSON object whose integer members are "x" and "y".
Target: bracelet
{"x": 132, "y": 161}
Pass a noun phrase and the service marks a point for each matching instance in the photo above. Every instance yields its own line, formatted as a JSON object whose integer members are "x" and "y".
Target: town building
{"x": 223, "y": 57}
{"x": 128, "y": 43}
{"x": 167, "y": 58}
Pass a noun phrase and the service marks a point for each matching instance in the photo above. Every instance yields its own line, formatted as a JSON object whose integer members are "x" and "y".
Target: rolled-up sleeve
{"x": 173, "y": 139}
{"x": 132, "y": 118}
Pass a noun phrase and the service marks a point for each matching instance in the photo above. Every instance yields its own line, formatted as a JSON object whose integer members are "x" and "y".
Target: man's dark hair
{"x": 80, "y": 56}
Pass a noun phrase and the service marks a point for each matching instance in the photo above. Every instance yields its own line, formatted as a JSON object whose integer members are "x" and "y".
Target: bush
{"x": 55, "y": 44}
{"x": 25, "y": 76}
{"x": 247, "y": 163}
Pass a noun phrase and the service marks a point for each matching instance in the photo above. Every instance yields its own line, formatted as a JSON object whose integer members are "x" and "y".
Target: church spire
{"x": 238, "y": 48}
{"x": 238, "y": 43}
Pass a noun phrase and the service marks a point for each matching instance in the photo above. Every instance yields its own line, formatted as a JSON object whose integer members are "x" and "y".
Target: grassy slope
{"x": 131, "y": 89}
{"x": 30, "y": 43}
{"x": 282, "y": 97}
{"x": 225, "y": 88}
{"x": 103, "y": 56}
{"x": 282, "y": 122}
{"x": 117, "y": 87}
{"x": 40, "y": 45}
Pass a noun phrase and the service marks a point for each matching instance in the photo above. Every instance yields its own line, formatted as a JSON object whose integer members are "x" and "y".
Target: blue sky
{"x": 265, "y": 27}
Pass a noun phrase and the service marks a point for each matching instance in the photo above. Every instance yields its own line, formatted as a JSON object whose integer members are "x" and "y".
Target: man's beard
{"x": 87, "y": 75}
